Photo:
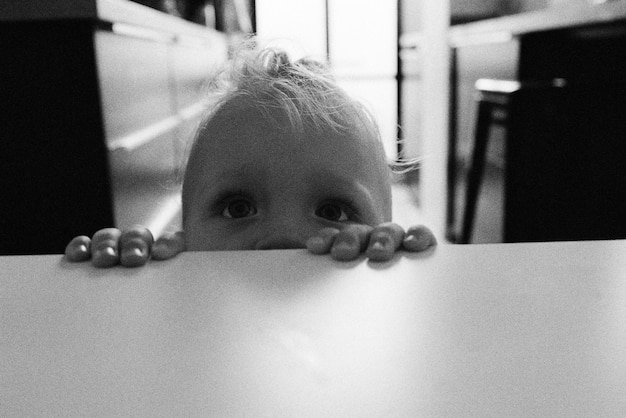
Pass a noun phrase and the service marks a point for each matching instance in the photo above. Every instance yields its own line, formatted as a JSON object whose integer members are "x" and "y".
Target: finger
{"x": 384, "y": 240}
{"x": 321, "y": 242}
{"x": 105, "y": 247}
{"x": 135, "y": 244}
{"x": 350, "y": 242}
{"x": 418, "y": 238}
{"x": 168, "y": 245}
{"x": 78, "y": 249}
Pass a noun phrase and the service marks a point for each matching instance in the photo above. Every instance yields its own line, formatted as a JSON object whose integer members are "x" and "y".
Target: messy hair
{"x": 304, "y": 91}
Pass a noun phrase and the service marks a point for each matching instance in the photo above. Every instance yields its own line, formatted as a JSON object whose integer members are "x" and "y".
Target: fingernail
{"x": 133, "y": 257}
{"x": 344, "y": 251}
{"x": 105, "y": 257}
{"x": 105, "y": 252}
{"x": 315, "y": 242}
{"x": 133, "y": 252}
{"x": 343, "y": 246}
{"x": 380, "y": 250}
{"x": 160, "y": 251}
{"x": 80, "y": 253}
{"x": 413, "y": 243}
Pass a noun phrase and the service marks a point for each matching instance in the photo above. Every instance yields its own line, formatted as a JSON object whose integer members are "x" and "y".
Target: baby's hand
{"x": 130, "y": 248}
{"x": 379, "y": 243}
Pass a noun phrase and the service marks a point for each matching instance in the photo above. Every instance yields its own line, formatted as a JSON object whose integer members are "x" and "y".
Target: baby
{"x": 283, "y": 159}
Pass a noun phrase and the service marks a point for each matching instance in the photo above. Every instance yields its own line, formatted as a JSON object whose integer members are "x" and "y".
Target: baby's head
{"x": 283, "y": 153}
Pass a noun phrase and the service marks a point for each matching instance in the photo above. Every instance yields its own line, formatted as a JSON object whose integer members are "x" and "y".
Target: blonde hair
{"x": 304, "y": 90}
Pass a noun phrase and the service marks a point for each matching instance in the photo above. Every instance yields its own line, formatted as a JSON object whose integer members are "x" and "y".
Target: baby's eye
{"x": 238, "y": 207}
{"x": 332, "y": 212}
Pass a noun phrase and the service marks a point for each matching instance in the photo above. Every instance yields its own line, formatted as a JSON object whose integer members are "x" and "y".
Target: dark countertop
{"x": 502, "y": 28}
{"x": 112, "y": 11}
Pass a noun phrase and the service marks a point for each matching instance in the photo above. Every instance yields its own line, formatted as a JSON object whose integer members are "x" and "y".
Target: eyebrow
{"x": 347, "y": 185}
{"x": 334, "y": 185}
{"x": 243, "y": 172}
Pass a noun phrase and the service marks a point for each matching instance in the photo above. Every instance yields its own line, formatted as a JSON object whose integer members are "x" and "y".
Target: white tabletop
{"x": 479, "y": 330}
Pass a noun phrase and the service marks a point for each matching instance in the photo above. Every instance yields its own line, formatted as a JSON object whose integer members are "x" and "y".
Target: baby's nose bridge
{"x": 278, "y": 243}
{"x": 285, "y": 228}
{"x": 276, "y": 237}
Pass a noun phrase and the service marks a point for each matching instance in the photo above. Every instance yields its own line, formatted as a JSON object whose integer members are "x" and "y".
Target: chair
{"x": 496, "y": 101}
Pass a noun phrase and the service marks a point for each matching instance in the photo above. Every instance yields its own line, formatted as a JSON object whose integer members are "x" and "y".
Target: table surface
{"x": 551, "y": 18}
{"x": 479, "y": 330}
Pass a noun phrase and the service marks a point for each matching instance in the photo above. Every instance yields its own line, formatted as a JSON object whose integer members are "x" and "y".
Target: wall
{"x": 436, "y": 69}
{"x": 298, "y": 27}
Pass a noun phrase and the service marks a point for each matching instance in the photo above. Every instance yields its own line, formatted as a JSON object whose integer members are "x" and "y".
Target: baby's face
{"x": 249, "y": 187}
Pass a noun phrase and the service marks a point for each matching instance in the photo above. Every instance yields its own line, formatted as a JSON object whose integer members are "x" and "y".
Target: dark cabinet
{"x": 98, "y": 106}
{"x": 558, "y": 173}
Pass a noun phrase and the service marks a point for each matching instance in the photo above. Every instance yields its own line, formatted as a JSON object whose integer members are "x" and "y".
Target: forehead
{"x": 246, "y": 139}
{"x": 241, "y": 132}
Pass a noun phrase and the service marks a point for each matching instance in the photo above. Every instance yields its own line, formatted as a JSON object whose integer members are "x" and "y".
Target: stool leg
{"x": 481, "y": 137}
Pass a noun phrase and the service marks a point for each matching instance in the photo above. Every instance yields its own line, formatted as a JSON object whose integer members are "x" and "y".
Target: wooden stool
{"x": 496, "y": 99}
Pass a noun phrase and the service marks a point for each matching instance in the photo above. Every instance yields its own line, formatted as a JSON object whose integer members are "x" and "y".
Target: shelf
{"x": 112, "y": 11}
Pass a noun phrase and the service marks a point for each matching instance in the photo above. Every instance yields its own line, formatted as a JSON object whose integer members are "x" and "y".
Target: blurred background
{"x": 99, "y": 100}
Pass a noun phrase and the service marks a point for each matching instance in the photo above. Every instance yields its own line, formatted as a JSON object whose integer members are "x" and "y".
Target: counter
{"x": 479, "y": 330}
{"x": 553, "y": 18}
